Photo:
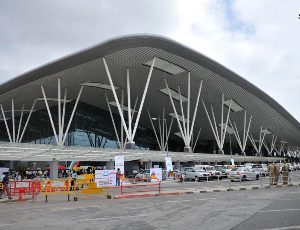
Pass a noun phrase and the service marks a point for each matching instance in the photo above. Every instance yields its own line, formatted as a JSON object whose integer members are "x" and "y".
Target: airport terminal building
{"x": 143, "y": 96}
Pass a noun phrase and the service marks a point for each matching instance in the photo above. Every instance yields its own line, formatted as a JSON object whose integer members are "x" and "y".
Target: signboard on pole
{"x": 156, "y": 173}
{"x": 232, "y": 161}
{"x": 119, "y": 163}
{"x": 169, "y": 165}
{"x": 105, "y": 178}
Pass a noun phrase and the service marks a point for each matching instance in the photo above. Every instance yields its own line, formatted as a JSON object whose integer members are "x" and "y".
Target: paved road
{"x": 251, "y": 209}
{"x": 282, "y": 213}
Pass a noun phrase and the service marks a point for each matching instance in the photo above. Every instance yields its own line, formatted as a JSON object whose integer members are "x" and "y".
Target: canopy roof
{"x": 135, "y": 52}
{"x": 38, "y": 152}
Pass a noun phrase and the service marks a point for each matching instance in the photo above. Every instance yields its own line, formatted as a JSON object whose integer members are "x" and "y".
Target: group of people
{"x": 274, "y": 170}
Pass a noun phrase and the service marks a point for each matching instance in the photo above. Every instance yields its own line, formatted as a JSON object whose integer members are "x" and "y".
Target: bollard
{"x": 68, "y": 197}
{"x": 46, "y": 198}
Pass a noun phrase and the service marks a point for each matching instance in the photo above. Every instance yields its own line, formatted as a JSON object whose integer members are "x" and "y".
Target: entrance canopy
{"x": 36, "y": 152}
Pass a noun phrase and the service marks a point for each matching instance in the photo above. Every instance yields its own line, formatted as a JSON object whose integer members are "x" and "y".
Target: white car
{"x": 291, "y": 167}
{"x": 243, "y": 173}
{"x": 259, "y": 168}
{"x": 215, "y": 174}
{"x": 192, "y": 173}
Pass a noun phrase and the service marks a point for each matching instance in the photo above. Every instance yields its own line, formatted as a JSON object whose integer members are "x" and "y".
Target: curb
{"x": 134, "y": 196}
{"x": 191, "y": 192}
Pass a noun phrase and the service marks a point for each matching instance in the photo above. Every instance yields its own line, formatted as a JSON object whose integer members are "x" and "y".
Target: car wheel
{"x": 197, "y": 179}
{"x": 257, "y": 177}
{"x": 244, "y": 178}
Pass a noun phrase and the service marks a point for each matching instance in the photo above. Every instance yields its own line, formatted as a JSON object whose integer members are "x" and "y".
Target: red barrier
{"x": 20, "y": 188}
{"x": 138, "y": 188}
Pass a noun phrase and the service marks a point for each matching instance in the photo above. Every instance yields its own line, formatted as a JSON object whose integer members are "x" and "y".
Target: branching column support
{"x": 16, "y": 137}
{"x": 164, "y": 131}
{"x": 280, "y": 149}
{"x": 61, "y": 136}
{"x": 220, "y": 138}
{"x": 260, "y": 141}
{"x": 130, "y": 131}
{"x": 242, "y": 143}
{"x": 186, "y": 128}
{"x": 272, "y": 145}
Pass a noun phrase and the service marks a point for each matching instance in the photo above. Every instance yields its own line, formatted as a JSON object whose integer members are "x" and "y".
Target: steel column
{"x": 7, "y": 129}
{"x": 143, "y": 99}
{"x": 73, "y": 112}
{"x": 49, "y": 114}
{"x": 13, "y": 119}
{"x": 28, "y": 118}
{"x": 20, "y": 124}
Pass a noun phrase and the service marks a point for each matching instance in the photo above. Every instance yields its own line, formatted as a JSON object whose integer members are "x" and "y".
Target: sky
{"x": 257, "y": 39}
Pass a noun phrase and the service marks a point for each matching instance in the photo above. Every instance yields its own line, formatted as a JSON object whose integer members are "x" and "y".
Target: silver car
{"x": 243, "y": 173}
{"x": 196, "y": 174}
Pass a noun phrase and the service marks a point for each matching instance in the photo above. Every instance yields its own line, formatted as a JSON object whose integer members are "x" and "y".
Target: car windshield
{"x": 256, "y": 166}
{"x": 199, "y": 170}
{"x": 237, "y": 169}
{"x": 209, "y": 168}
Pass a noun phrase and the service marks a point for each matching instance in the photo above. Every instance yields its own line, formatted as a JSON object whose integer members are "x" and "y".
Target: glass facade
{"x": 91, "y": 126}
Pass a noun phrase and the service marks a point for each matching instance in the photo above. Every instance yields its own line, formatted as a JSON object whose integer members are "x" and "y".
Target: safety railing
{"x": 58, "y": 187}
{"x": 23, "y": 188}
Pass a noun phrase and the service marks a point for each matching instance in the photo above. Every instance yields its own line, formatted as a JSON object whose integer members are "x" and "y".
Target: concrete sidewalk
{"x": 166, "y": 192}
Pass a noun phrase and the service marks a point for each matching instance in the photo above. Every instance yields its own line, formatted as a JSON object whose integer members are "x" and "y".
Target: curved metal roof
{"x": 134, "y": 51}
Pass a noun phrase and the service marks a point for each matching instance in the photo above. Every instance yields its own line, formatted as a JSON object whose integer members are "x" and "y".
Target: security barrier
{"x": 57, "y": 187}
{"x": 21, "y": 188}
{"x": 85, "y": 179}
{"x": 145, "y": 186}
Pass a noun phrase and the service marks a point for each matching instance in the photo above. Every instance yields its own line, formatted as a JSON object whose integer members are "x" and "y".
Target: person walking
{"x": 5, "y": 183}
{"x": 277, "y": 172}
{"x": 271, "y": 170}
{"x": 73, "y": 180}
{"x": 118, "y": 177}
{"x": 285, "y": 173}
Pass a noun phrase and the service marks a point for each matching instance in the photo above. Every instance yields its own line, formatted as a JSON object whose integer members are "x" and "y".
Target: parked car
{"x": 243, "y": 173}
{"x": 143, "y": 174}
{"x": 296, "y": 166}
{"x": 193, "y": 173}
{"x": 225, "y": 169}
{"x": 259, "y": 168}
{"x": 291, "y": 167}
{"x": 212, "y": 170}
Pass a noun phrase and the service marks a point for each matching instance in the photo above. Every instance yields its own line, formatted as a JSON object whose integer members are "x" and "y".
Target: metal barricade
{"x": 58, "y": 187}
{"x": 20, "y": 188}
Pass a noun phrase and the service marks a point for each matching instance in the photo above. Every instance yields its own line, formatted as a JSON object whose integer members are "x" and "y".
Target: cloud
{"x": 258, "y": 40}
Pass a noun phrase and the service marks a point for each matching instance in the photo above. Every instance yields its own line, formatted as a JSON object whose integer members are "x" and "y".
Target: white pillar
{"x": 13, "y": 119}
{"x": 59, "y": 112}
{"x": 54, "y": 169}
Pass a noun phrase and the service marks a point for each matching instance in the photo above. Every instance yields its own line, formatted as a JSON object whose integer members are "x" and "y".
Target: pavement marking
{"x": 290, "y": 199}
{"x": 224, "y": 209}
{"x": 176, "y": 201}
{"x": 281, "y": 210}
{"x": 111, "y": 217}
{"x": 290, "y": 227}
{"x": 3, "y": 225}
